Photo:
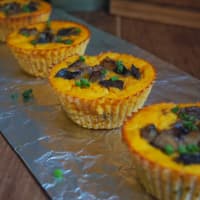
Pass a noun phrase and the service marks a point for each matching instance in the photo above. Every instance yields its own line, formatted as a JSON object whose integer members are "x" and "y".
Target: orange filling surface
{"x": 132, "y": 86}
{"x": 42, "y": 8}
{"x": 18, "y": 40}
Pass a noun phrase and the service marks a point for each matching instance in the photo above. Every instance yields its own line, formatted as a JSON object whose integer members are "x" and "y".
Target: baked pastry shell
{"x": 38, "y": 62}
{"x": 102, "y": 113}
{"x": 164, "y": 183}
{"x": 15, "y": 22}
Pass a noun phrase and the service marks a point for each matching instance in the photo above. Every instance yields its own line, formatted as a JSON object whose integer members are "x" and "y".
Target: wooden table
{"x": 177, "y": 45}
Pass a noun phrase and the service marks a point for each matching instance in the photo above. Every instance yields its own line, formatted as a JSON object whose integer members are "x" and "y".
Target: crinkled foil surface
{"x": 96, "y": 164}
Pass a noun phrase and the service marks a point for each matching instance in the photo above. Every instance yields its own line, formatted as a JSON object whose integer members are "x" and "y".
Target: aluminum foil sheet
{"x": 96, "y": 164}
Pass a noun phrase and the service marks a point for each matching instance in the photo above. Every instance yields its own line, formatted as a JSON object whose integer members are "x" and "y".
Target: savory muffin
{"x": 165, "y": 142}
{"x": 15, "y": 14}
{"x": 40, "y": 46}
{"x": 99, "y": 92}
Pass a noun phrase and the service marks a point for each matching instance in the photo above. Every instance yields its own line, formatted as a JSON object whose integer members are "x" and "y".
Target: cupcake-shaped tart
{"x": 99, "y": 92}
{"x": 15, "y": 14}
{"x": 165, "y": 142}
{"x": 40, "y": 46}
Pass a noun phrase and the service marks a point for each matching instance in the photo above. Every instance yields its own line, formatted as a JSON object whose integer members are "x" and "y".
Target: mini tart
{"x": 99, "y": 106}
{"x": 38, "y": 58}
{"x": 15, "y": 21}
{"x": 159, "y": 173}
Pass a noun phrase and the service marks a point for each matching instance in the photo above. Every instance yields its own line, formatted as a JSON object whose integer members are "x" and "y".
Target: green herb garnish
{"x": 175, "y": 109}
{"x": 26, "y": 9}
{"x": 83, "y": 83}
{"x": 192, "y": 148}
{"x": 26, "y": 34}
{"x": 120, "y": 66}
{"x": 33, "y": 42}
{"x": 78, "y": 83}
{"x": 58, "y": 173}
{"x": 114, "y": 78}
{"x": 104, "y": 71}
{"x": 78, "y": 30}
{"x": 82, "y": 58}
{"x": 68, "y": 41}
{"x": 27, "y": 95}
{"x": 182, "y": 149}
{"x": 169, "y": 149}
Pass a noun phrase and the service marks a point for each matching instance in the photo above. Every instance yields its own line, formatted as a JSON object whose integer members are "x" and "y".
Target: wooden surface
{"x": 180, "y": 3}
{"x": 156, "y": 12}
{"x": 177, "y": 45}
{"x": 16, "y": 183}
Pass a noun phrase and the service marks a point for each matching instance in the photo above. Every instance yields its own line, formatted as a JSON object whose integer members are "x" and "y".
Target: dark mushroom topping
{"x": 28, "y": 32}
{"x": 68, "y": 31}
{"x": 192, "y": 138}
{"x": 179, "y": 130}
{"x": 121, "y": 69}
{"x": 45, "y": 37}
{"x": 66, "y": 74}
{"x": 192, "y": 111}
{"x": 11, "y": 8}
{"x": 149, "y": 132}
{"x": 166, "y": 138}
{"x": 77, "y": 64}
{"x": 108, "y": 63}
{"x": 96, "y": 74}
{"x": 189, "y": 158}
{"x": 33, "y": 6}
{"x": 135, "y": 72}
{"x": 110, "y": 83}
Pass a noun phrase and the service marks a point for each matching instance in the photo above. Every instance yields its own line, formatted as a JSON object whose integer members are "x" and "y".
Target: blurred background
{"x": 170, "y": 29}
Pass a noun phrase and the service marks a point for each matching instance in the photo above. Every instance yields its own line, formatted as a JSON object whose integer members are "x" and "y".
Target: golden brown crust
{"x": 162, "y": 182}
{"x": 38, "y": 62}
{"x": 15, "y": 22}
{"x": 102, "y": 112}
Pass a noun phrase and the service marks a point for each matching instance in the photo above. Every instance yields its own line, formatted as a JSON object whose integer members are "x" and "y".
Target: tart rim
{"x": 87, "y": 37}
{"x": 105, "y": 98}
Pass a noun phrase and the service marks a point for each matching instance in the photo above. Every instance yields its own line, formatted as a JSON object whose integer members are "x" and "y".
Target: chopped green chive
{"x": 192, "y": 148}
{"x": 68, "y": 41}
{"x": 175, "y": 109}
{"x": 33, "y": 42}
{"x": 83, "y": 83}
{"x": 78, "y": 83}
{"x": 190, "y": 125}
{"x": 104, "y": 71}
{"x": 58, "y": 173}
{"x": 26, "y": 9}
{"x": 25, "y": 34}
{"x": 82, "y": 58}
{"x": 169, "y": 149}
{"x": 27, "y": 95}
{"x": 78, "y": 30}
{"x": 120, "y": 66}
{"x": 114, "y": 78}
{"x": 182, "y": 149}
